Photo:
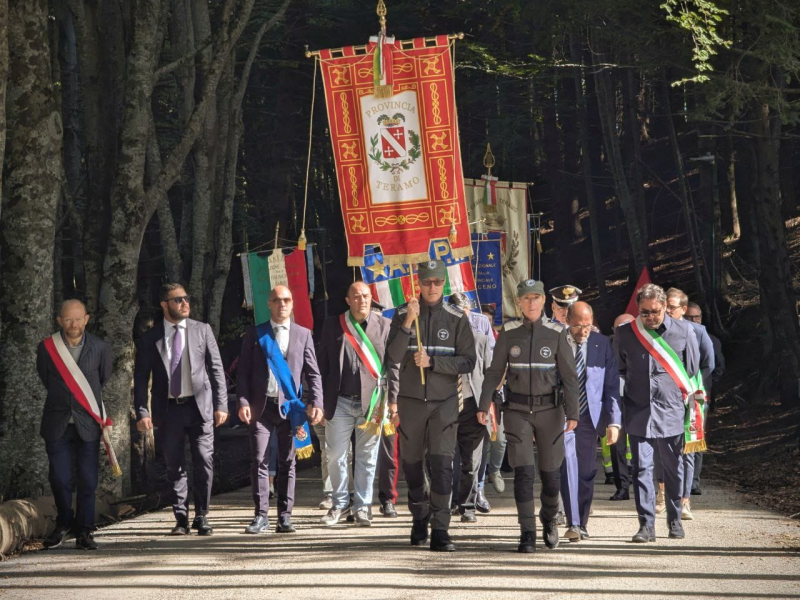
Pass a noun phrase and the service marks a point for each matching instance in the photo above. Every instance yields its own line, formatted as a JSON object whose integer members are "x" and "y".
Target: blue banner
{"x": 487, "y": 263}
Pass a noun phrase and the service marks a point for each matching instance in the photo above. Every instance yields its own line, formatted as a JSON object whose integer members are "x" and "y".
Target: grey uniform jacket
{"x": 484, "y": 359}
{"x": 652, "y": 404}
{"x": 448, "y": 340}
{"x": 539, "y": 359}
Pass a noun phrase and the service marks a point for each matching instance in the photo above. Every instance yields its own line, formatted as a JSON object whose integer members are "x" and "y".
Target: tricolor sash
{"x": 76, "y": 382}
{"x": 694, "y": 394}
{"x": 376, "y": 412}
{"x": 293, "y": 408}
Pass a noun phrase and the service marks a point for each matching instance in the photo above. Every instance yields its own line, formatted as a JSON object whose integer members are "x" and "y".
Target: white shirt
{"x": 282, "y": 337}
{"x": 186, "y": 369}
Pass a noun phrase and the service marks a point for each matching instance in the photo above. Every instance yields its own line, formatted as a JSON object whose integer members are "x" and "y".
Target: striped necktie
{"x": 580, "y": 363}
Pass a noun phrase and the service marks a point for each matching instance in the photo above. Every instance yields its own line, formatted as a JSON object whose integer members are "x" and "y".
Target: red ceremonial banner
{"x": 398, "y": 159}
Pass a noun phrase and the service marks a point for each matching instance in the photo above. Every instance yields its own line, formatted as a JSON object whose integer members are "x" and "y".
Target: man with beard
{"x": 189, "y": 399}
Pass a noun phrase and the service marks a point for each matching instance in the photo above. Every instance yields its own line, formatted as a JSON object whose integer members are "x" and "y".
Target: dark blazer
{"x": 253, "y": 373}
{"x": 208, "y": 376}
{"x": 602, "y": 383}
{"x": 332, "y": 345}
{"x": 96, "y": 364}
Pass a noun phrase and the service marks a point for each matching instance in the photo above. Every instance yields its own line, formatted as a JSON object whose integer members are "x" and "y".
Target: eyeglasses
{"x": 651, "y": 313}
{"x": 580, "y": 327}
{"x": 180, "y": 300}
{"x": 281, "y": 300}
{"x": 673, "y": 308}
{"x": 430, "y": 282}
{"x": 695, "y": 318}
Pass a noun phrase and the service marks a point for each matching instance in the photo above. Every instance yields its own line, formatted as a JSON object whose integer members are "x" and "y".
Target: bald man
{"x": 600, "y": 415}
{"x": 261, "y": 395}
{"x": 621, "y": 453}
{"x": 68, "y": 427}
{"x": 355, "y": 391}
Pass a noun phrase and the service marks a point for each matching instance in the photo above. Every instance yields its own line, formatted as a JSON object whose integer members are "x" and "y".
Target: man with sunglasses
{"x": 537, "y": 362}
{"x": 428, "y": 411}
{"x": 656, "y": 354}
{"x": 188, "y": 399}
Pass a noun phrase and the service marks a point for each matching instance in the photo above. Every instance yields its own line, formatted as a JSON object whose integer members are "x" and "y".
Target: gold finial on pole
{"x": 488, "y": 159}
{"x": 381, "y": 12}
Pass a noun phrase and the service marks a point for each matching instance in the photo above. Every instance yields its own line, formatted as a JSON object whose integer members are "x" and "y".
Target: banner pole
{"x": 416, "y": 325}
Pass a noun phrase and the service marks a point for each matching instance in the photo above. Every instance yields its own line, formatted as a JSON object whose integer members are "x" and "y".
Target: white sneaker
{"x": 686, "y": 513}
{"x": 327, "y": 503}
{"x": 334, "y": 516}
{"x": 661, "y": 503}
{"x": 496, "y": 479}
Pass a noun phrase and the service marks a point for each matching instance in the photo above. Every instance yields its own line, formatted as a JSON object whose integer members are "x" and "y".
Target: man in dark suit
{"x": 348, "y": 365}
{"x": 654, "y": 404}
{"x": 260, "y": 399}
{"x": 600, "y": 415}
{"x": 68, "y": 429}
{"x": 189, "y": 398}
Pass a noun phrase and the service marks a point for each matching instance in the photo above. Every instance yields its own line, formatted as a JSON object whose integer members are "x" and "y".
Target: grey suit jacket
{"x": 208, "y": 376}
{"x": 331, "y": 361}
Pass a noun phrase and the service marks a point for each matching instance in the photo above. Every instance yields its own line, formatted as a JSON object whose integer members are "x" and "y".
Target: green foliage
{"x": 701, "y": 19}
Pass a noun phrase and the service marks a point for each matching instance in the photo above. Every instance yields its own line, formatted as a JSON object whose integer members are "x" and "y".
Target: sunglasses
{"x": 430, "y": 282}
{"x": 651, "y": 313}
{"x": 180, "y": 300}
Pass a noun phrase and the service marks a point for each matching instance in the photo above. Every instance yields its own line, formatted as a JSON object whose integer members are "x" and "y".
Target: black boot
{"x": 419, "y": 531}
{"x": 441, "y": 542}
{"x": 527, "y": 542}
{"x": 550, "y": 533}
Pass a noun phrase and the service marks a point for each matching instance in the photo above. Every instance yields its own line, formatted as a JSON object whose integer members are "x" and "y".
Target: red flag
{"x": 297, "y": 281}
{"x": 633, "y": 307}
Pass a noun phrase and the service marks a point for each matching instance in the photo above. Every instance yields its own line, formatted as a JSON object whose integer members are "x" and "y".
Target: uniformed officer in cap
{"x": 537, "y": 362}
{"x": 563, "y": 297}
{"x": 428, "y": 412}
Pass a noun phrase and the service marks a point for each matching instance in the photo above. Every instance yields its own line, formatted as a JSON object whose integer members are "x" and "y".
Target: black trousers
{"x": 59, "y": 454}
{"x": 182, "y": 421}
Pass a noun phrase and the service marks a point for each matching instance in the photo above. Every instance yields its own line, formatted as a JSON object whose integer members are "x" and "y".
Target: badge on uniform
{"x": 530, "y": 283}
{"x": 432, "y": 264}
{"x": 443, "y": 334}
{"x": 515, "y": 351}
{"x": 546, "y": 352}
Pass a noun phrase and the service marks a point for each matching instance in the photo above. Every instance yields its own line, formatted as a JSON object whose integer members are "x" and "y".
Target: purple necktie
{"x": 175, "y": 364}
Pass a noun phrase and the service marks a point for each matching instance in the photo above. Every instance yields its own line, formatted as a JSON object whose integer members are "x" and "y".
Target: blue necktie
{"x": 580, "y": 363}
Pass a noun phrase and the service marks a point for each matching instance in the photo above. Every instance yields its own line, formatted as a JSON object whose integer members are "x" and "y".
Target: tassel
{"x": 696, "y": 446}
{"x": 493, "y": 436}
{"x": 453, "y": 236}
{"x": 538, "y": 245}
{"x": 306, "y": 452}
{"x": 302, "y": 241}
{"x": 383, "y": 91}
{"x": 389, "y": 428}
{"x": 116, "y": 470}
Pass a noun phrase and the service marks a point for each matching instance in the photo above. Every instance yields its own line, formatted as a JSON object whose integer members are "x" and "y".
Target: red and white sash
{"x": 76, "y": 382}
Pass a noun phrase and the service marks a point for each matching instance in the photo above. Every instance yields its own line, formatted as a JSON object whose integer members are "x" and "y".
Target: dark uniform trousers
{"x": 387, "y": 468}
{"x": 261, "y": 430}
{"x": 467, "y": 463}
{"x": 546, "y": 424}
{"x": 430, "y": 425}
{"x": 182, "y": 421}
{"x": 59, "y": 454}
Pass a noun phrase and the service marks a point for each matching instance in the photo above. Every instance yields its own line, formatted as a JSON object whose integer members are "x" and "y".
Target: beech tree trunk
{"x": 33, "y": 171}
{"x": 3, "y": 75}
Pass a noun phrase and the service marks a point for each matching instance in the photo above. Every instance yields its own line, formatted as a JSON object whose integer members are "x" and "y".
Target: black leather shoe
{"x": 584, "y": 533}
{"x": 441, "y": 542}
{"x": 482, "y": 504}
{"x": 181, "y": 526}
{"x": 85, "y": 541}
{"x": 550, "y": 534}
{"x": 676, "y": 530}
{"x": 58, "y": 536}
{"x": 609, "y": 480}
{"x": 259, "y": 525}
{"x": 644, "y": 535}
{"x": 527, "y": 542}
{"x": 388, "y": 510}
{"x": 468, "y": 516}
{"x": 419, "y": 532}
{"x": 284, "y": 525}
{"x": 200, "y": 523}
{"x": 621, "y": 494}
{"x": 696, "y": 491}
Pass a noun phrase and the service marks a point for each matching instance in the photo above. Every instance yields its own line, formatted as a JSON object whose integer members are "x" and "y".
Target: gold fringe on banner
{"x": 384, "y": 91}
{"x": 305, "y": 452}
{"x": 696, "y": 446}
{"x": 389, "y": 428}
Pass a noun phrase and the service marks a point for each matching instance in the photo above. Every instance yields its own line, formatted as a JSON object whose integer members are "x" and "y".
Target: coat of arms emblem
{"x": 399, "y": 147}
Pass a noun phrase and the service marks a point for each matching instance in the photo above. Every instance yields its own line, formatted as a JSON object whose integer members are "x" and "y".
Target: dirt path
{"x": 732, "y": 550}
